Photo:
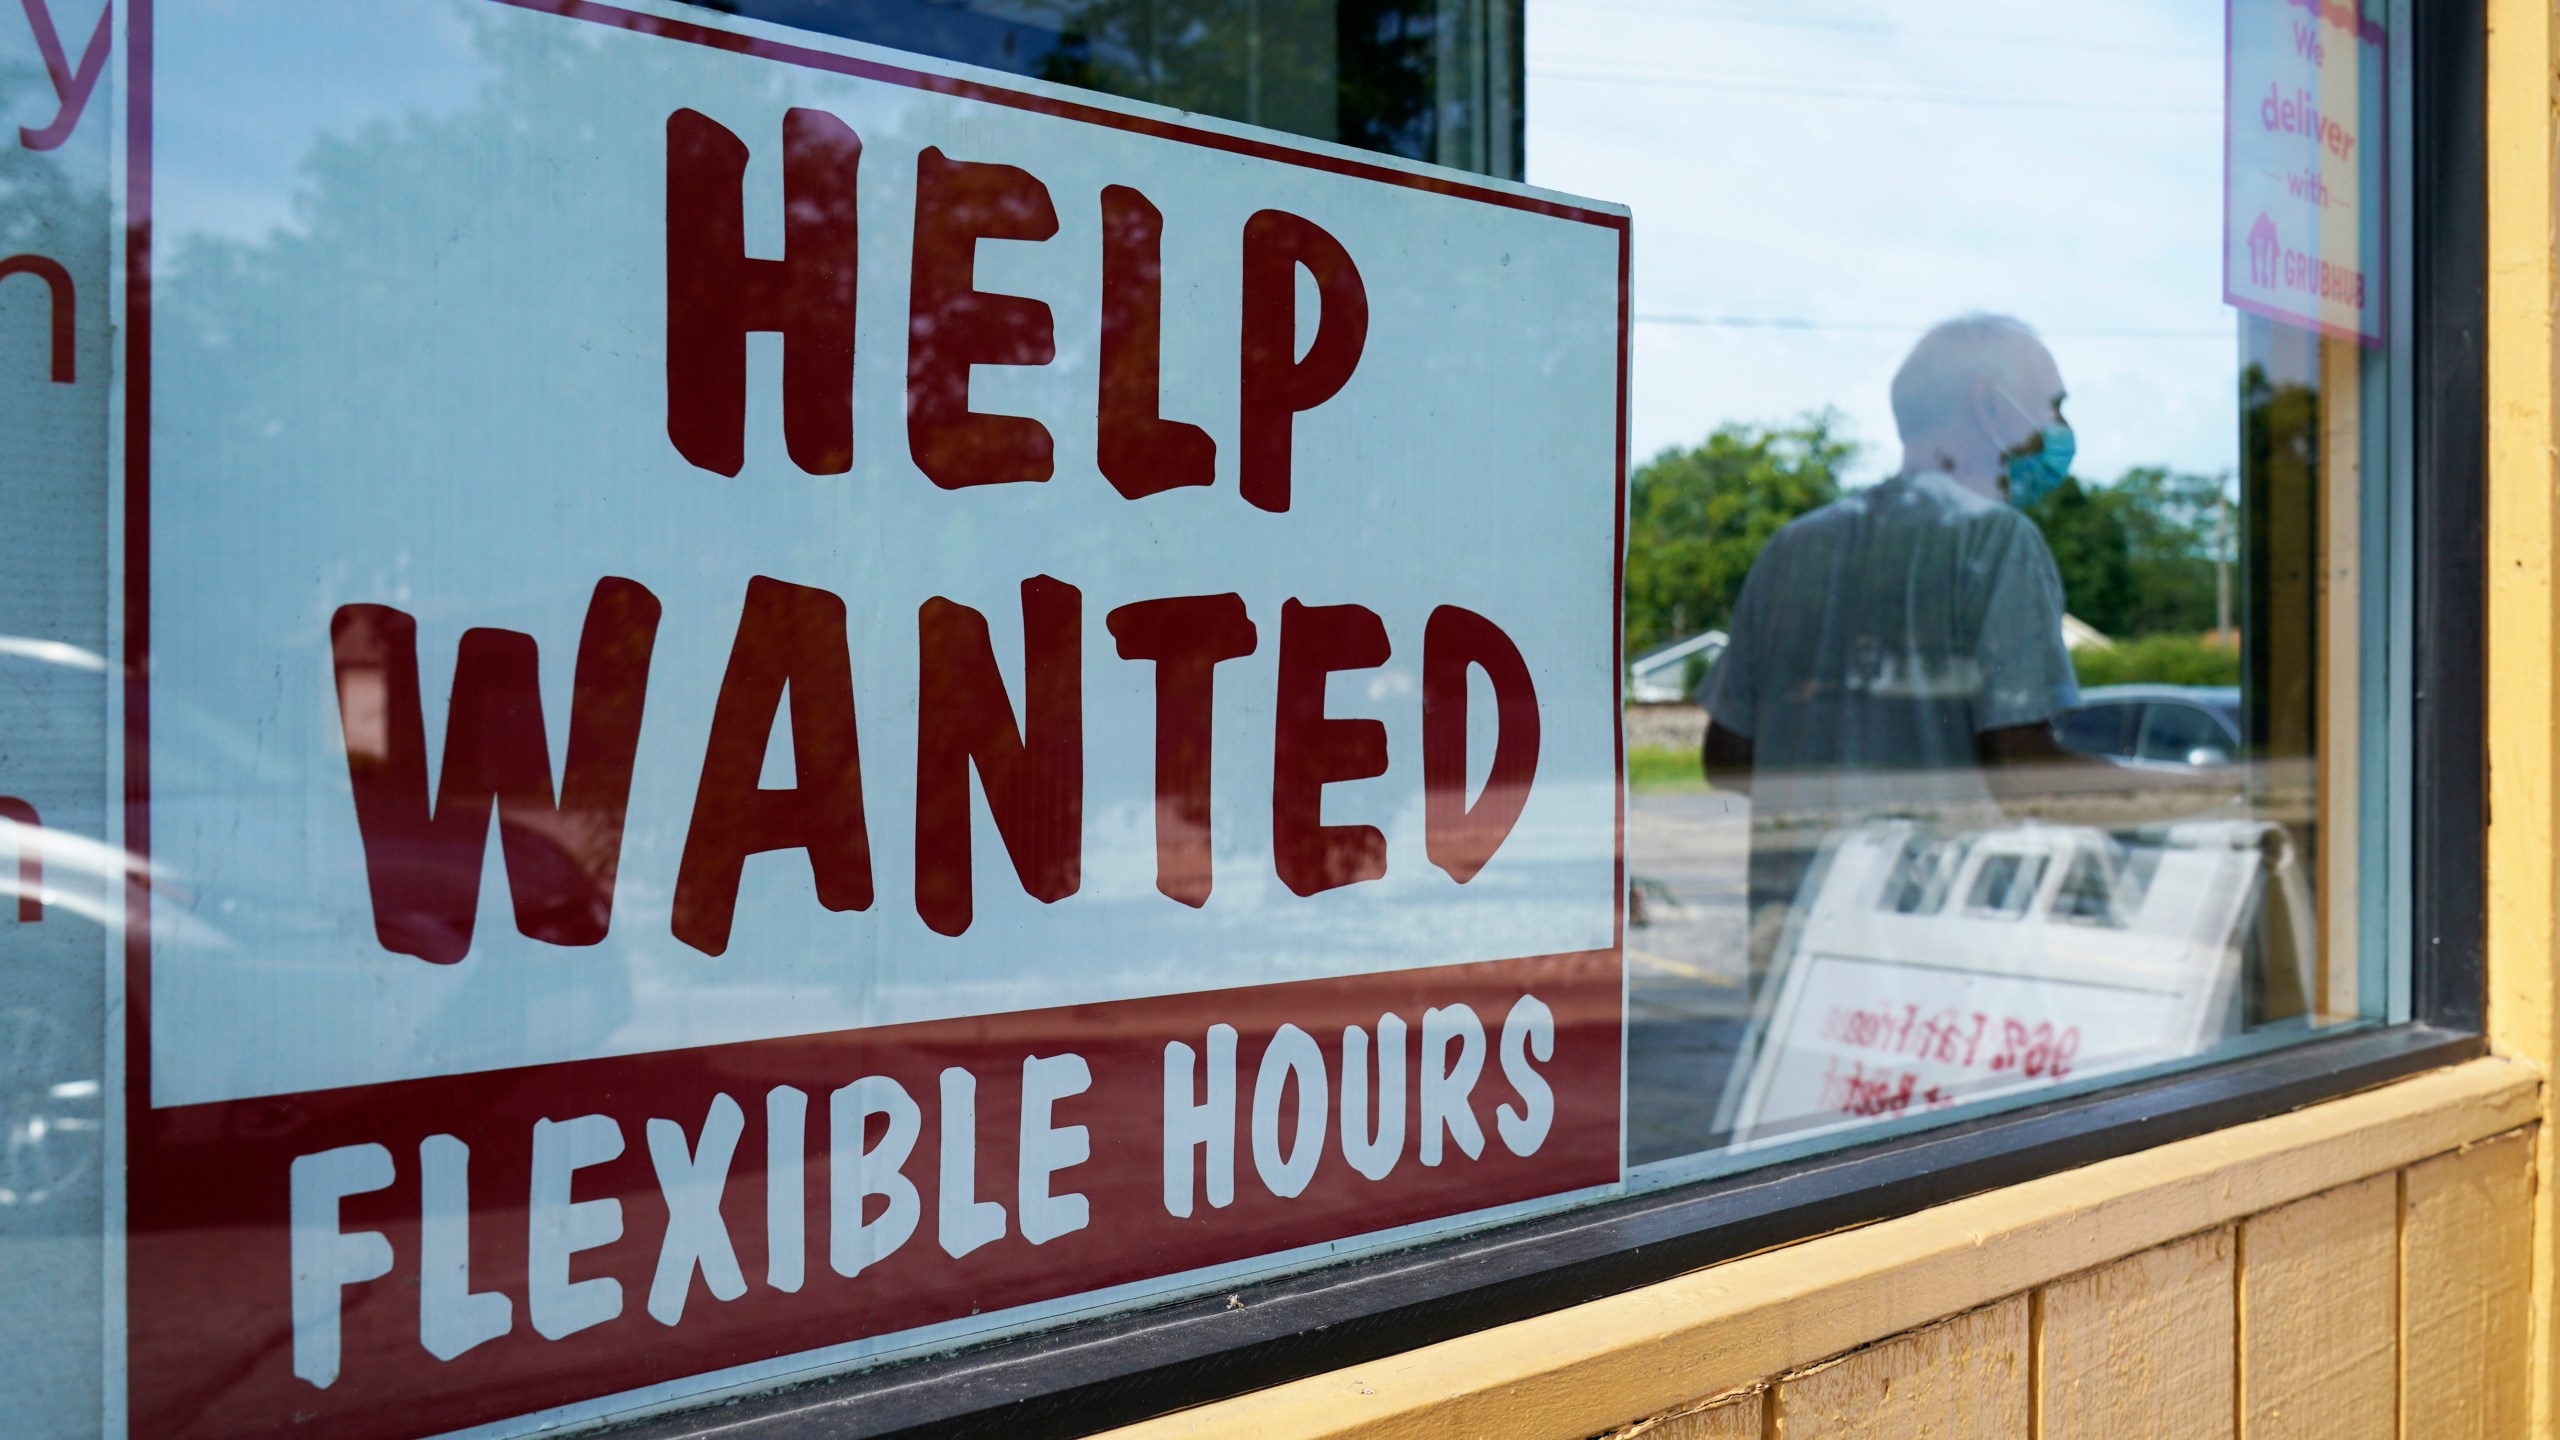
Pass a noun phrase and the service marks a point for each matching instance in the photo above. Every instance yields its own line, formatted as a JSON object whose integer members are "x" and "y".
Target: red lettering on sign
{"x": 1140, "y": 452}
{"x": 1186, "y": 636}
{"x": 65, "y": 314}
{"x": 1032, "y": 773}
{"x": 1276, "y": 383}
{"x": 791, "y": 641}
{"x": 1311, "y": 750}
{"x": 1460, "y": 837}
{"x": 71, "y": 87}
{"x": 30, "y": 858}
{"x": 424, "y": 865}
{"x": 716, "y": 294}
{"x": 952, "y": 325}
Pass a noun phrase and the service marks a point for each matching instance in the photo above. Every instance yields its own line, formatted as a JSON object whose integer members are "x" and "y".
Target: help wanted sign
{"x": 793, "y": 704}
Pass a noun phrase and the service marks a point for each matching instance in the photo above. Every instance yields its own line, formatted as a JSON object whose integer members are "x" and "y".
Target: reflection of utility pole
{"x": 2221, "y": 565}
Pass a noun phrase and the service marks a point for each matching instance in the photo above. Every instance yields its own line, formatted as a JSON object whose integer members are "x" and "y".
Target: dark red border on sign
{"x": 136, "y": 538}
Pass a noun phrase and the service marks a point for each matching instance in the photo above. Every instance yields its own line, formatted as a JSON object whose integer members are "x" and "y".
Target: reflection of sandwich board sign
{"x": 1924, "y": 969}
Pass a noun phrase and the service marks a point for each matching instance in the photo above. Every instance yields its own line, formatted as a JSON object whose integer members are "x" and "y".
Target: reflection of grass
{"x": 1663, "y": 767}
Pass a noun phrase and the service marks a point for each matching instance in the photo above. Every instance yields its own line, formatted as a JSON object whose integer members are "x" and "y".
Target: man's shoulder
{"x": 1907, "y": 500}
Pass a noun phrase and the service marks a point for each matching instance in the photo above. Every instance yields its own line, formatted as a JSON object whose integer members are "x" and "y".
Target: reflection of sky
{"x": 387, "y": 61}
{"x": 1843, "y": 174}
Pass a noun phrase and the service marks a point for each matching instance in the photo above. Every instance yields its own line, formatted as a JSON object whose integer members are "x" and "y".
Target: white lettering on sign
{"x": 692, "y": 1182}
{"x": 326, "y": 1258}
{"x": 874, "y": 1133}
{"x": 452, "y": 1317}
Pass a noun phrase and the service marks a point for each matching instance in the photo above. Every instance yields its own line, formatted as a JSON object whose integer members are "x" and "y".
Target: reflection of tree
{"x": 1358, "y": 71}
{"x": 1265, "y": 62}
{"x": 2136, "y": 557}
{"x": 1388, "y": 78}
{"x": 336, "y": 291}
{"x": 1368, "y": 73}
{"x": 1697, "y": 517}
{"x": 2280, "y": 462}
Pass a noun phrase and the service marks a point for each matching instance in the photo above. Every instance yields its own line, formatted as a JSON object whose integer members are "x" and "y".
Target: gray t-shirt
{"x": 1872, "y": 641}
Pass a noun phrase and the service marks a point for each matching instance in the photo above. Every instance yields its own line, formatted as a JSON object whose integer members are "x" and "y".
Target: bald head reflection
{"x": 1975, "y": 391}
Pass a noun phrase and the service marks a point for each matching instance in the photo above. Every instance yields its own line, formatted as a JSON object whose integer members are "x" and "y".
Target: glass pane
{"x": 2003, "y": 462}
{"x": 693, "y": 695}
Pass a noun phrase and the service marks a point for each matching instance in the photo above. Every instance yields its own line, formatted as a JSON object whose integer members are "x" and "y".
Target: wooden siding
{"x": 2320, "y": 1316}
{"x": 2355, "y": 1270}
{"x": 2466, "y": 1274}
{"x": 2141, "y": 1349}
{"x": 1962, "y": 1379}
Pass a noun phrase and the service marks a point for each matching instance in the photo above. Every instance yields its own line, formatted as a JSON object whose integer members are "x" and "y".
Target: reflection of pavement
{"x": 1687, "y": 989}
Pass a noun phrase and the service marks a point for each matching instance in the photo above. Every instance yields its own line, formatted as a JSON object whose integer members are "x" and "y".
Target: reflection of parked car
{"x": 49, "y": 1113}
{"x": 2183, "y": 725}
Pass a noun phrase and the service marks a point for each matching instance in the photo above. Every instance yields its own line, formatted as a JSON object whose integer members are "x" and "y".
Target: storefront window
{"x": 699, "y": 697}
{"x": 2013, "y": 544}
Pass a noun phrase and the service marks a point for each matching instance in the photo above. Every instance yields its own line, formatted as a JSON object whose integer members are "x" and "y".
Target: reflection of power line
{"x": 1752, "y": 86}
{"x": 1894, "y": 327}
{"x": 2107, "y": 44}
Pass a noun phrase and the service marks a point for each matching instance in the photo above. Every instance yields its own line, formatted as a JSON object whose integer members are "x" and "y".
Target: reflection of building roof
{"x": 1654, "y": 677}
{"x": 1677, "y": 651}
{"x": 2079, "y": 634}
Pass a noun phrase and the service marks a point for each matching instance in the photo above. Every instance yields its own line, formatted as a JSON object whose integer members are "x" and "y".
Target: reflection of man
{"x": 1891, "y": 650}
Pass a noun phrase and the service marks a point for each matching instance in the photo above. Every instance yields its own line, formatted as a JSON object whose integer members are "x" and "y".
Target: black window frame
{"x": 1123, "y": 1368}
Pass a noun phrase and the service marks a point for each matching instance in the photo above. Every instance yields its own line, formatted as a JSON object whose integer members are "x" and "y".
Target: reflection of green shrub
{"x": 2159, "y": 660}
{"x": 1663, "y": 767}
{"x": 1693, "y": 673}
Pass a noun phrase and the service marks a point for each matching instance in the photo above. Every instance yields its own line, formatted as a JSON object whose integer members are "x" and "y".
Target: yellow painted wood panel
{"x": 2466, "y": 1257}
{"x": 1964, "y": 1379}
{"x": 2523, "y": 535}
{"x": 2336, "y": 982}
{"x": 2141, "y": 1349}
{"x": 1735, "y": 1419}
{"x": 2320, "y": 1316}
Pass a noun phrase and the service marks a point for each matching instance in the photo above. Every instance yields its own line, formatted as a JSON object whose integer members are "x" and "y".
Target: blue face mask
{"x": 2034, "y": 474}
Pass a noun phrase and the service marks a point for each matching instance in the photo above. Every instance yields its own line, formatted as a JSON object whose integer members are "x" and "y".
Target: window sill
{"x": 1583, "y": 1370}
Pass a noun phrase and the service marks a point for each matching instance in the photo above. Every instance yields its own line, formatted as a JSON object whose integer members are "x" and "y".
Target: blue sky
{"x": 1861, "y": 170}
